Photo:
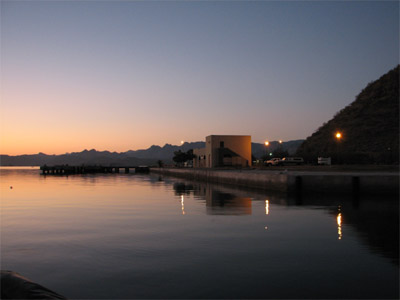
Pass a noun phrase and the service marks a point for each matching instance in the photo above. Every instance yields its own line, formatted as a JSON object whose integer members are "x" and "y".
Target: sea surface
{"x": 125, "y": 236}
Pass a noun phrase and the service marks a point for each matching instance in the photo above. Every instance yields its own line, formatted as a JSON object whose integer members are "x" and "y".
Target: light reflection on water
{"x": 136, "y": 236}
{"x": 339, "y": 223}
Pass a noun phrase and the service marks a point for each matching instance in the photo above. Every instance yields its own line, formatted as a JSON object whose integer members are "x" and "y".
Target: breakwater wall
{"x": 377, "y": 183}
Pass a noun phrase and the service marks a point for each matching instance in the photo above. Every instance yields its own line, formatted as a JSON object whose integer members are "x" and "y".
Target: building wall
{"x": 209, "y": 157}
{"x": 209, "y": 152}
{"x": 200, "y": 158}
{"x": 240, "y": 144}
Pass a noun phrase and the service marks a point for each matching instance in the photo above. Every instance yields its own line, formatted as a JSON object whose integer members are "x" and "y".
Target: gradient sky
{"x": 120, "y": 75}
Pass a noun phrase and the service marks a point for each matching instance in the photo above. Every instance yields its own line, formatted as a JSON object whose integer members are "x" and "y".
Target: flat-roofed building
{"x": 224, "y": 151}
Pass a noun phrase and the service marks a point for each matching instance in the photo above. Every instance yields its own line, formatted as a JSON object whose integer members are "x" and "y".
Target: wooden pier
{"x": 83, "y": 169}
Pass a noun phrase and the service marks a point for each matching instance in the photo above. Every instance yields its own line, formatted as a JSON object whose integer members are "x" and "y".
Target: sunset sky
{"x": 121, "y": 75}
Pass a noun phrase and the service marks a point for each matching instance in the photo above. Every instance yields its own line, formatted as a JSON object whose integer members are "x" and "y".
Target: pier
{"x": 83, "y": 169}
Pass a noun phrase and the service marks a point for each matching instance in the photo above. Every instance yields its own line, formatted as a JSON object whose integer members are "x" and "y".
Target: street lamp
{"x": 338, "y": 136}
{"x": 266, "y": 149}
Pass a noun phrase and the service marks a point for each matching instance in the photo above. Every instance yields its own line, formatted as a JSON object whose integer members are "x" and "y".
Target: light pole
{"x": 338, "y": 136}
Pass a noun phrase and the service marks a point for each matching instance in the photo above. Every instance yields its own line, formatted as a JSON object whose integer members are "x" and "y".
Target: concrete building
{"x": 223, "y": 151}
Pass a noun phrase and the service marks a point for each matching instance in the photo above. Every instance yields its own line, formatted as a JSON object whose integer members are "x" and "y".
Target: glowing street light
{"x": 266, "y": 148}
{"x": 338, "y": 135}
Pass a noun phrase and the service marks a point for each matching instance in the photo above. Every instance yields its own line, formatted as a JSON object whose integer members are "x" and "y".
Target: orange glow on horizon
{"x": 60, "y": 144}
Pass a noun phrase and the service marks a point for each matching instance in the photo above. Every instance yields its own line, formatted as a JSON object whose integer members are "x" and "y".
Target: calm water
{"x": 140, "y": 236}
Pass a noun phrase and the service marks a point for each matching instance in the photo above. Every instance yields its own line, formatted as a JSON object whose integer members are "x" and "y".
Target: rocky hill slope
{"x": 369, "y": 127}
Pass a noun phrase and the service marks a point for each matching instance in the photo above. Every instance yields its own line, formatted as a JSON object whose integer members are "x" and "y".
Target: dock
{"x": 90, "y": 169}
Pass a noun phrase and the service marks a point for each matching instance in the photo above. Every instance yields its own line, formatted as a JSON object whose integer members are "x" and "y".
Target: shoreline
{"x": 295, "y": 180}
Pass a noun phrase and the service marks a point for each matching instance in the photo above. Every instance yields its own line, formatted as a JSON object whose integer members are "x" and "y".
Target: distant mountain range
{"x": 148, "y": 156}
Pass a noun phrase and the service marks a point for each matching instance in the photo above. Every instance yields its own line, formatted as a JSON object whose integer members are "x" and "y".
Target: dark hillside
{"x": 369, "y": 127}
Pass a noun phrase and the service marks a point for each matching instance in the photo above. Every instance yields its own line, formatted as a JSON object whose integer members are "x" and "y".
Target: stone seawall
{"x": 378, "y": 183}
{"x": 245, "y": 178}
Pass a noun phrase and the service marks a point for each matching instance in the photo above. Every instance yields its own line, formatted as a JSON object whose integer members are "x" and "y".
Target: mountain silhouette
{"x": 369, "y": 127}
{"x": 148, "y": 156}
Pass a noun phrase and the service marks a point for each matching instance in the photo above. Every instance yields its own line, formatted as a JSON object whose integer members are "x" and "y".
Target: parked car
{"x": 292, "y": 161}
{"x": 188, "y": 164}
{"x": 324, "y": 161}
{"x": 273, "y": 162}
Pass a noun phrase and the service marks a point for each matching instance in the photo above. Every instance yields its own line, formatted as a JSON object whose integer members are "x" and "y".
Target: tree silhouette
{"x": 181, "y": 157}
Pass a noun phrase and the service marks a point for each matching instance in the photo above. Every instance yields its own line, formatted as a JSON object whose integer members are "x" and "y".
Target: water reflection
{"x": 183, "y": 204}
{"x": 376, "y": 221}
{"x": 182, "y": 188}
{"x": 218, "y": 202}
{"x": 339, "y": 223}
{"x": 126, "y": 237}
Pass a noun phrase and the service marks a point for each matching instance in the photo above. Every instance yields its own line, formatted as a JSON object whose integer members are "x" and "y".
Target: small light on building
{"x": 338, "y": 135}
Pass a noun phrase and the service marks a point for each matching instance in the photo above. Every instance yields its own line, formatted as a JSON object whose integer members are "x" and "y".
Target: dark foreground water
{"x": 137, "y": 236}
